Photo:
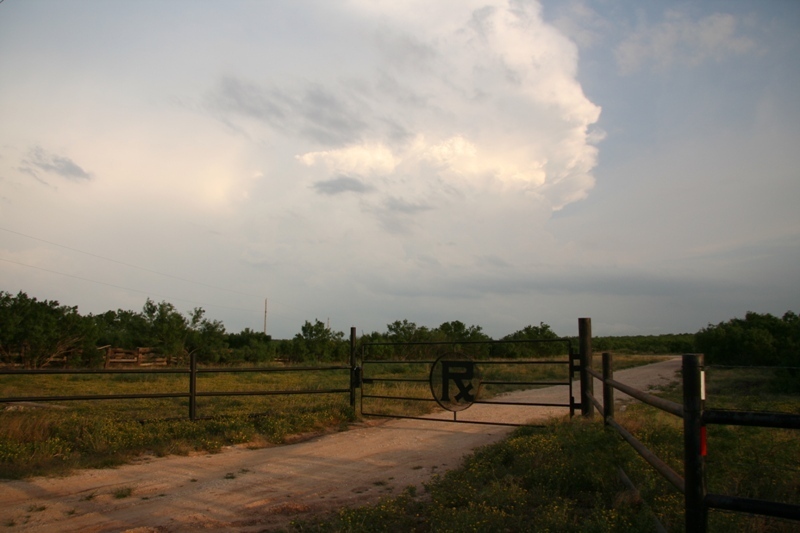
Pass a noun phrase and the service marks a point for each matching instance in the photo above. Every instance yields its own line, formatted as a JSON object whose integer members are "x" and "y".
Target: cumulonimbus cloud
{"x": 487, "y": 95}
{"x": 463, "y": 121}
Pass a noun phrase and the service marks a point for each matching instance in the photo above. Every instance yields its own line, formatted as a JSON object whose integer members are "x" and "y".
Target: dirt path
{"x": 254, "y": 490}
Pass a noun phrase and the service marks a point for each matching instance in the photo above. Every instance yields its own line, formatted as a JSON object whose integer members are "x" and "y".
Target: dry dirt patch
{"x": 248, "y": 490}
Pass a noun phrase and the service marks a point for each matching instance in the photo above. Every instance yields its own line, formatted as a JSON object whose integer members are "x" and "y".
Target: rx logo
{"x": 454, "y": 381}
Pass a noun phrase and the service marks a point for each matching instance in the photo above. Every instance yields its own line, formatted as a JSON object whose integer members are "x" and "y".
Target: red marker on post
{"x": 703, "y": 434}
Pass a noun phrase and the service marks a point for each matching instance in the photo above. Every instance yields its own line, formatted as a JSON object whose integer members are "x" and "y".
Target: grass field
{"x": 55, "y": 438}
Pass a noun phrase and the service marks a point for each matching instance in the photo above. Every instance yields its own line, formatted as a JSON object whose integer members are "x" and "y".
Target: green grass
{"x": 86, "y": 434}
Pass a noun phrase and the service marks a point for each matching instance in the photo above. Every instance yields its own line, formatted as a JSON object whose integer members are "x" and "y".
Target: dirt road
{"x": 254, "y": 490}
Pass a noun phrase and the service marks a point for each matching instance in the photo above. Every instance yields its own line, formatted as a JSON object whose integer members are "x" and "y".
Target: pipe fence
{"x": 697, "y": 499}
{"x": 191, "y": 394}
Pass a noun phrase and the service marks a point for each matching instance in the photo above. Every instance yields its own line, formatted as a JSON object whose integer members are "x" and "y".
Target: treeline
{"x": 40, "y": 333}
{"x": 400, "y": 338}
{"x": 755, "y": 339}
{"x": 646, "y": 344}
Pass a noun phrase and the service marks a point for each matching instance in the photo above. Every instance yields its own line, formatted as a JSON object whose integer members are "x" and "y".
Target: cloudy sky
{"x": 359, "y": 162}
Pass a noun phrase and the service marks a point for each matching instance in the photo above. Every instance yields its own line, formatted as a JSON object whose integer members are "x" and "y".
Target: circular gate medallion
{"x": 455, "y": 381}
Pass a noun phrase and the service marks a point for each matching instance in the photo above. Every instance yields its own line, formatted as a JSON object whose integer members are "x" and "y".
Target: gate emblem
{"x": 455, "y": 381}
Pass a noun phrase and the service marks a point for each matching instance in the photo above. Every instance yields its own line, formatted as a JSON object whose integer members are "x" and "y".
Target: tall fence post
{"x": 353, "y": 370}
{"x": 608, "y": 390}
{"x": 694, "y": 463}
{"x": 193, "y": 386}
{"x": 585, "y": 344}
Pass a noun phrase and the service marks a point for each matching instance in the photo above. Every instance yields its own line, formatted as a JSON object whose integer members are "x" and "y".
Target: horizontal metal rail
{"x": 270, "y": 392}
{"x": 754, "y": 367}
{"x": 663, "y": 468}
{"x": 453, "y": 343}
{"x": 396, "y": 361}
{"x": 523, "y": 404}
{"x": 144, "y": 396}
{"x": 482, "y": 402}
{"x": 78, "y": 371}
{"x": 385, "y": 397}
{"x": 745, "y": 418}
{"x": 257, "y": 369}
{"x": 477, "y": 361}
{"x": 456, "y": 421}
{"x": 665, "y": 405}
{"x": 545, "y": 383}
{"x": 90, "y": 397}
{"x": 370, "y": 381}
{"x": 747, "y": 505}
{"x": 517, "y": 362}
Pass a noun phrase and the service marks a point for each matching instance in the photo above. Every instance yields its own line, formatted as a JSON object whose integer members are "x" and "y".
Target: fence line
{"x": 697, "y": 500}
{"x": 192, "y": 394}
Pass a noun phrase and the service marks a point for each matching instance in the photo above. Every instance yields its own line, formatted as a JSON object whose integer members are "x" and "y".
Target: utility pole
{"x": 265, "y": 316}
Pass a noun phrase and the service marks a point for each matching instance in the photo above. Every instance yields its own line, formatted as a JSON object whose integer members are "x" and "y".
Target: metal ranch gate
{"x": 457, "y": 375}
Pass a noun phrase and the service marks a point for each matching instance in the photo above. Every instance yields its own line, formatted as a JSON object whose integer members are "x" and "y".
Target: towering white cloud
{"x": 455, "y": 130}
{"x": 480, "y": 95}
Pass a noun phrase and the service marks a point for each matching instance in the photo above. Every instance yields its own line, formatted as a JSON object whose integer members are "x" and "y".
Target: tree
{"x": 316, "y": 341}
{"x": 122, "y": 329}
{"x": 206, "y": 338}
{"x": 251, "y": 346}
{"x": 405, "y": 331}
{"x": 167, "y": 329}
{"x": 542, "y": 332}
{"x": 758, "y": 339}
{"x": 458, "y": 331}
{"x": 40, "y": 332}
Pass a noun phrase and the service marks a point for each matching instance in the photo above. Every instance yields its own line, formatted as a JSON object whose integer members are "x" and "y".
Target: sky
{"x": 502, "y": 163}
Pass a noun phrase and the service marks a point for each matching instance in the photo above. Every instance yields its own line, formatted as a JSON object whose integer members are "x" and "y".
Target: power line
{"x": 123, "y": 288}
{"x": 122, "y": 262}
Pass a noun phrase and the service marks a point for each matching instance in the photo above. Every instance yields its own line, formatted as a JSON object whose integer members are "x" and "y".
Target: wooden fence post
{"x": 585, "y": 344}
{"x": 353, "y": 377}
{"x": 193, "y": 386}
{"x": 608, "y": 390}
{"x": 696, "y": 512}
